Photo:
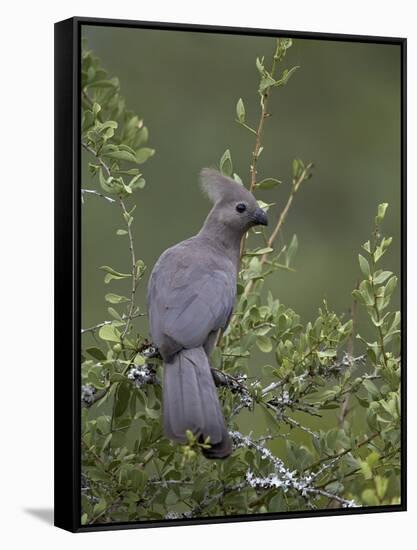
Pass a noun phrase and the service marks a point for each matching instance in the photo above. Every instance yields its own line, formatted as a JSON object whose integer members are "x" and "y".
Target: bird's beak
{"x": 259, "y": 217}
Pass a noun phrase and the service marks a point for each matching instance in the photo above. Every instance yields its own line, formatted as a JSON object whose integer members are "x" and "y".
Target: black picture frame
{"x": 67, "y": 270}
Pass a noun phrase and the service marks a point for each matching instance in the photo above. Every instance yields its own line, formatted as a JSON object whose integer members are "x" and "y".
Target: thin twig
{"x": 295, "y": 424}
{"x": 131, "y": 244}
{"x": 377, "y": 311}
{"x": 344, "y": 408}
{"x": 264, "y": 114}
{"x": 342, "y": 453}
{"x": 209, "y": 500}
{"x": 93, "y": 192}
{"x": 87, "y": 98}
{"x": 283, "y": 477}
{"x": 258, "y": 135}
{"x": 295, "y": 186}
{"x": 273, "y": 386}
{"x": 99, "y": 159}
{"x": 332, "y": 496}
{"x": 99, "y": 325}
{"x": 134, "y": 271}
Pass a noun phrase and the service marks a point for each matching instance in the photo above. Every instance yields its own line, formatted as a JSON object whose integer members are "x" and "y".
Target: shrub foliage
{"x": 326, "y": 398}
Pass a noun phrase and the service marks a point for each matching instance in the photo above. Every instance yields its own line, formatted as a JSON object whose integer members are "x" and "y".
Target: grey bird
{"x": 191, "y": 295}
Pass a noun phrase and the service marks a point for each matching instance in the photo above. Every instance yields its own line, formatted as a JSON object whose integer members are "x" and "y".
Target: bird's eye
{"x": 241, "y": 207}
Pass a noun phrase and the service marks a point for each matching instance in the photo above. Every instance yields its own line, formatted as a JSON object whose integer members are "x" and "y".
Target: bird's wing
{"x": 188, "y": 300}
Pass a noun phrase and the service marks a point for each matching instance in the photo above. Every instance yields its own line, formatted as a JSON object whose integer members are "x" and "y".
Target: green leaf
{"x": 240, "y": 110}
{"x": 84, "y": 519}
{"x": 358, "y": 296}
{"x": 327, "y": 353}
{"x": 139, "y": 479}
{"x": 124, "y": 147}
{"x": 140, "y": 268}
{"x": 382, "y": 208}
{"x": 109, "y": 124}
{"x": 142, "y": 136}
{"x": 152, "y": 413}
{"x": 268, "y": 183}
{"x": 122, "y": 399}
{"x": 143, "y": 154}
{"x": 364, "y": 265}
{"x": 99, "y": 507}
{"x": 109, "y": 277}
{"x": 369, "y": 497}
{"x": 117, "y": 377}
{"x": 115, "y": 314}
{"x": 96, "y": 109}
{"x": 297, "y": 167}
{"x": 139, "y": 360}
{"x": 226, "y": 165}
{"x": 367, "y": 246}
{"x": 115, "y": 298}
{"x": 382, "y": 277}
{"x": 395, "y": 322}
{"x": 265, "y": 205}
{"x": 109, "y": 333}
{"x": 286, "y": 75}
{"x": 381, "y": 485}
{"x": 113, "y": 274}
{"x": 95, "y": 380}
{"x": 107, "y": 441}
{"x": 266, "y": 82}
{"x": 106, "y": 183}
{"x": 377, "y": 322}
{"x": 291, "y": 251}
{"x": 382, "y": 248}
{"x": 96, "y": 474}
{"x": 103, "y": 84}
{"x": 260, "y": 65}
{"x": 107, "y": 148}
{"x": 130, "y": 172}
{"x": 237, "y": 178}
{"x": 270, "y": 420}
{"x": 386, "y": 242}
{"x": 121, "y": 232}
{"x": 137, "y": 182}
{"x": 365, "y": 289}
{"x": 121, "y": 155}
{"x": 278, "y": 503}
{"x": 103, "y": 424}
{"x": 390, "y": 286}
{"x": 371, "y": 388}
{"x": 96, "y": 353}
{"x": 259, "y": 252}
{"x": 264, "y": 344}
{"x": 262, "y": 330}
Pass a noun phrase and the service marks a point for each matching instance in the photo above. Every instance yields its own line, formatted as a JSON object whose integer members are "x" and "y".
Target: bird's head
{"x": 234, "y": 206}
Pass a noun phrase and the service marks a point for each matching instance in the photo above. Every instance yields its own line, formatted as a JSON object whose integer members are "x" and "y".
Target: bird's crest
{"x": 219, "y": 187}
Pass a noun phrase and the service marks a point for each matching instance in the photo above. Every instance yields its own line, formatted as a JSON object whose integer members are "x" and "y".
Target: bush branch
{"x": 93, "y": 192}
{"x": 295, "y": 187}
{"x": 99, "y": 325}
{"x": 99, "y": 159}
{"x": 134, "y": 272}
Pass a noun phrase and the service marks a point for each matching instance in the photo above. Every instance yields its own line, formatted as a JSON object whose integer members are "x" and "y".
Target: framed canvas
{"x": 230, "y": 274}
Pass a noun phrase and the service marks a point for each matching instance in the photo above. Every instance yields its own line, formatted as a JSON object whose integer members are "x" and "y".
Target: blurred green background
{"x": 340, "y": 110}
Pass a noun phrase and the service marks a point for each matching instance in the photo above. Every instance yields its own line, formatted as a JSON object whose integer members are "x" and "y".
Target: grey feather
{"x": 191, "y": 294}
{"x": 219, "y": 187}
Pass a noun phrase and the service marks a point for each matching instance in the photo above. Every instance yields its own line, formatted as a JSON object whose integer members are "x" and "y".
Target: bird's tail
{"x": 190, "y": 402}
